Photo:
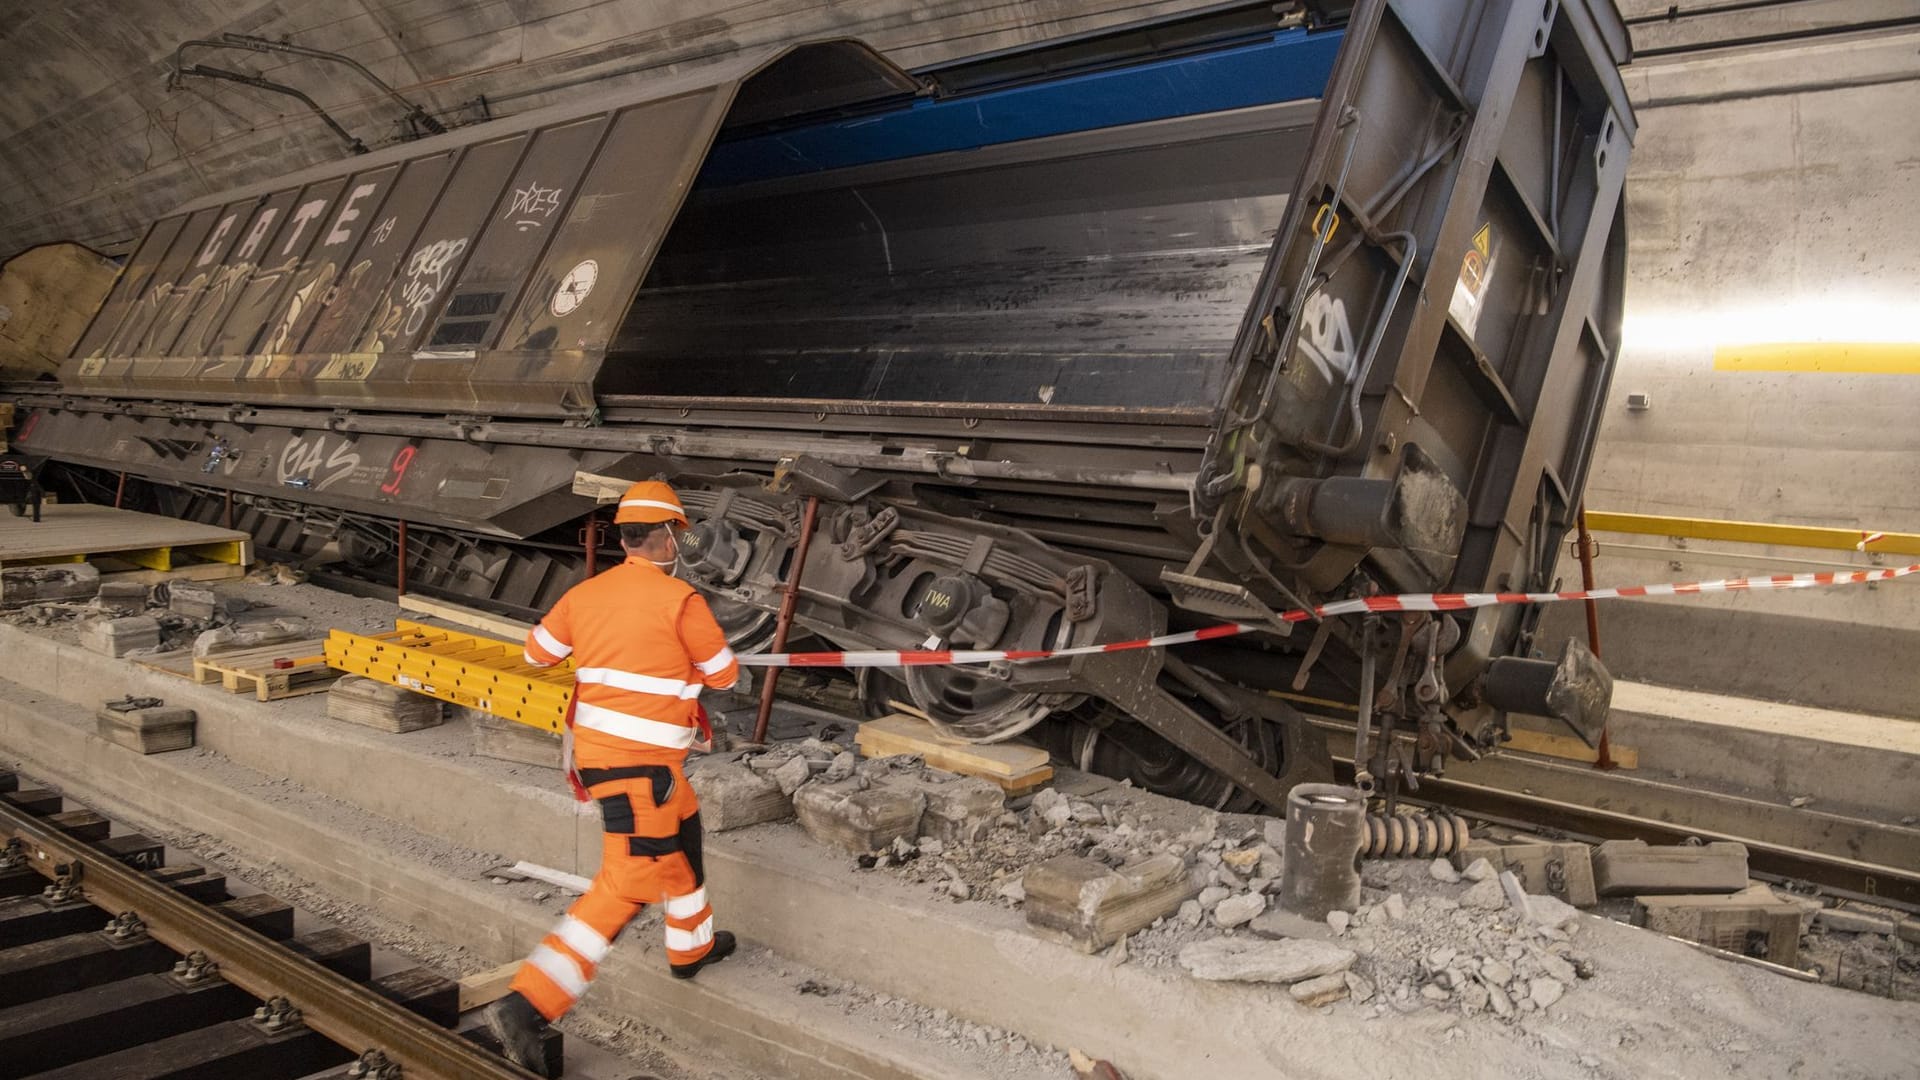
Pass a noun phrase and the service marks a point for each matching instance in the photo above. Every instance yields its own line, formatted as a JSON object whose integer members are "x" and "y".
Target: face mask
{"x": 672, "y": 560}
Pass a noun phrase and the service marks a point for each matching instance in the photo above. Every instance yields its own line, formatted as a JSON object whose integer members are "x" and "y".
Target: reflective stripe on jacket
{"x": 643, "y": 645}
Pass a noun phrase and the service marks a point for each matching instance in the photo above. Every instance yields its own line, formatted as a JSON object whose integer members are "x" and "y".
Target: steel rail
{"x": 330, "y": 1004}
{"x": 1851, "y": 877}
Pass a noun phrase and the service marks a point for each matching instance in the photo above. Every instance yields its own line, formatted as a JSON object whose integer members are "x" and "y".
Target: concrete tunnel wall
{"x": 1774, "y": 183}
{"x": 1774, "y": 196}
{"x": 93, "y": 145}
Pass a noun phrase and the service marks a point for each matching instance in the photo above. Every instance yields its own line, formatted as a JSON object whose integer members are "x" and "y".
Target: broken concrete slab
{"x": 1254, "y": 960}
{"x": 118, "y": 637}
{"x": 1634, "y": 868}
{"x": 375, "y": 704}
{"x": 224, "y": 639}
{"x": 961, "y": 810}
{"x": 123, "y": 593}
{"x": 152, "y": 729}
{"x": 192, "y": 600}
{"x": 733, "y": 796}
{"x": 1564, "y": 870}
{"x": 1089, "y": 905}
{"x": 848, "y": 816}
{"x": 38, "y": 584}
{"x": 1749, "y": 923}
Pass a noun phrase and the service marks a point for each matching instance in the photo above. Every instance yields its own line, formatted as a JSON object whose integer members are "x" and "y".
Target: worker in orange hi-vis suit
{"x": 643, "y": 646}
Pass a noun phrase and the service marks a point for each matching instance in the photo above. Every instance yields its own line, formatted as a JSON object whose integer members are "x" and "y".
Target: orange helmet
{"x": 649, "y": 502}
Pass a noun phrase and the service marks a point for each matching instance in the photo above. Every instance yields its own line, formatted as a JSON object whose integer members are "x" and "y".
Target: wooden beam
{"x": 486, "y": 987}
{"x": 514, "y": 631}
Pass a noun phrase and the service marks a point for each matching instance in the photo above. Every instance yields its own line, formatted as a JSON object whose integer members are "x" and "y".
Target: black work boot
{"x": 722, "y": 948}
{"x": 517, "y": 1024}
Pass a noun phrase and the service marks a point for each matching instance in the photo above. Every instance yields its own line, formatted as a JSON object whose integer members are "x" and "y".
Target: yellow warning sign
{"x": 1469, "y": 291}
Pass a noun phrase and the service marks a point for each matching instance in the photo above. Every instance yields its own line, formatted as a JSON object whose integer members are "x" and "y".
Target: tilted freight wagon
{"x": 1208, "y": 319}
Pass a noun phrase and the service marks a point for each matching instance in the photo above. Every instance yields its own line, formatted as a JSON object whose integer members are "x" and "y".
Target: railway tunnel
{"x": 1094, "y": 444}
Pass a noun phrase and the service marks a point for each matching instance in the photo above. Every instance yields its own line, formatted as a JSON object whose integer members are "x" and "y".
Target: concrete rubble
{"x": 30, "y": 584}
{"x": 1563, "y": 870}
{"x": 121, "y": 637}
{"x": 237, "y": 637}
{"x": 1089, "y": 905}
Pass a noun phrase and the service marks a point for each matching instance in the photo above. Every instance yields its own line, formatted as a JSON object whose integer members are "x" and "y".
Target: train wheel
{"x": 1102, "y": 740}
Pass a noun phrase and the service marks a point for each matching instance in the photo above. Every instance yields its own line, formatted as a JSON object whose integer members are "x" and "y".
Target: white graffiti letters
{"x": 307, "y": 212}
{"x": 256, "y": 234}
{"x": 340, "y": 234}
{"x": 428, "y": 274}
{"x": 213, "y": 242}
{"x": 304, "y": 458}
{"x": 532, "y": 205}
{"x": 1325, "y": 337}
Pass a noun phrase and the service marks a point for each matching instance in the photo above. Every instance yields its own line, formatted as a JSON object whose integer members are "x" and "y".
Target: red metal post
{"x": 120, "y": 492}
{"x": 593, "y": 543}
{"x": 400, "y": 571}
{"x": 226, "y": 511}
{"x": 1604, "y": 760}
{"x": 785, "y": 622}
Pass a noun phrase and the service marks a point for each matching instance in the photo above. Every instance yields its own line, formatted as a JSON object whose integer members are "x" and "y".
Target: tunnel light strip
{"x": 1357, "y": 606}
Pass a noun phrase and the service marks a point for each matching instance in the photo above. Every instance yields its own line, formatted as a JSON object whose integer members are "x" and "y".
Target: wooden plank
{"x": 1013, "y": 766}
{"x": 71, "y": 529}
{"x": 486, "y": 987}
{"x": 1568, "y": 748}
{"x": 512, "y": 630}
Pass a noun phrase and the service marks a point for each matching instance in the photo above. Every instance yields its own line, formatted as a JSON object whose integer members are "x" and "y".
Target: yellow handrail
{"x": 1756, "y": 532}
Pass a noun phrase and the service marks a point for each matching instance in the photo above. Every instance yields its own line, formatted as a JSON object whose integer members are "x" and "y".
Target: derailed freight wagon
{"x": 1203, "y": 320}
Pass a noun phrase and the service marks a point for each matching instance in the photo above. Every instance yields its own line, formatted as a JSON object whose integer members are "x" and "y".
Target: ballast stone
{"x": 1089, "y": 905}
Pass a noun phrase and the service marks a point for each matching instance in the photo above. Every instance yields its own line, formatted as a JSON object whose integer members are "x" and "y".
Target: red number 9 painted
{"x": 399, "y": 469}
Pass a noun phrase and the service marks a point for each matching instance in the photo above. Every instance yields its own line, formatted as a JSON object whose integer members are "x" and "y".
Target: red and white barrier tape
{"x": 1407, "y": 602}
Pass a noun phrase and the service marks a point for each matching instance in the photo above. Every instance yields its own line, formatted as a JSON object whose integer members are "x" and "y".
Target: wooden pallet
{"x": 1016, "y": 767}
{"x": 254, "y": 670}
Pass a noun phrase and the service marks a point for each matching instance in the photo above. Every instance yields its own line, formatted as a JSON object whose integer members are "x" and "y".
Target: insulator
{"x": 1414, "y": 836}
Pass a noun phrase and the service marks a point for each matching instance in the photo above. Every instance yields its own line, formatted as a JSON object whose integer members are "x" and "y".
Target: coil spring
{"x": 1414, "y": 836}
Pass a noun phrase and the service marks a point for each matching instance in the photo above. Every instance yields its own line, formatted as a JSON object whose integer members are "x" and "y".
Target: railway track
{"x": 1847, "y": 856}
{"x": 116, "y": 965}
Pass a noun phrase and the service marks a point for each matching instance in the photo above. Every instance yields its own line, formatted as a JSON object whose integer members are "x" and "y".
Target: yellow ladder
{"x": 464, "y": 669}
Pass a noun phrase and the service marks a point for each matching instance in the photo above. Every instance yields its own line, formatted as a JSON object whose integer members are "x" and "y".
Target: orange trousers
{"x": 650, "y": 855}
